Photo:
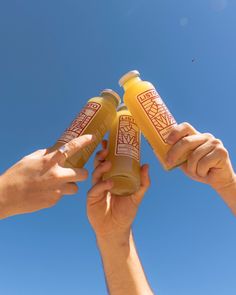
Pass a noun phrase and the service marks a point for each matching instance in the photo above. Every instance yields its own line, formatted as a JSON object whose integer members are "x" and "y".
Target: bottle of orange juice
{"x": 95, "y": 118}
{"x": 150, "y": 112}
{"x": 124, "y": 153}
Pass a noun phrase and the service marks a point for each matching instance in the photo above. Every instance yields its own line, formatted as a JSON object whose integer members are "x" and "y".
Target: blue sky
{"x": 54, "y": 55}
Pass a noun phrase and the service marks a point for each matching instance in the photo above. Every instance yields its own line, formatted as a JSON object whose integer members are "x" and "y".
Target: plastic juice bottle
{"x": 124, "y": 153}
{"x": 150, "y": 112}
{"x": 95, "y": 118}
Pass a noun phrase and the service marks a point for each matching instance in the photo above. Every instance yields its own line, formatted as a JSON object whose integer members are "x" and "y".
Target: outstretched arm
{"x": 122, "y": 266}
{"x": 111, "y": 218}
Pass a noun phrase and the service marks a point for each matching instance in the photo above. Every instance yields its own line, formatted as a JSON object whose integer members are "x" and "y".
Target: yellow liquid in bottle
{"x": 151, "y": 114}
{"x": 124, "y": 154}
{"x": 95, "y": 118}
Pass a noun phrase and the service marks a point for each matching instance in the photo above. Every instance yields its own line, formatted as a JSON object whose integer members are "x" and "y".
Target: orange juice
{"x": 124, "y": 154}
{"x": 150, "y": 112}
{"x": 95, "y": 118}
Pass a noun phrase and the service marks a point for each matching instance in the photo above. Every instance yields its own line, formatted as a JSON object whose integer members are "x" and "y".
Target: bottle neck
{"x": 123, "y": 108}
{"x": 111, "y": 98}
{"x": 131, "y": 82}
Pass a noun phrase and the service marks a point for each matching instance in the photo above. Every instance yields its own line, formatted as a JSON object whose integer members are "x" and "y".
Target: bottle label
{"x": 79, "y": 124}
{"x": 128, "y": 138}
{"x": 157, "y": 112}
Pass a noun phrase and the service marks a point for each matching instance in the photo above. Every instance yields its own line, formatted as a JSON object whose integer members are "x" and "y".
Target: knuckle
{"x": 221, "y": 150}
{"x": 54, "y": 174}
{"x": 216, "y": 142}
{"x": 186, "y": 125}
{"x": 208, "y": 135}
{"x": 186, "y": 140}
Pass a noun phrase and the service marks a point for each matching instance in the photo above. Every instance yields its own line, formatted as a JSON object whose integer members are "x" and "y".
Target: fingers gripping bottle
{"x": 95, "y": 118}
{"x": 124, "y": 154}
{"x": 150, "y": 112}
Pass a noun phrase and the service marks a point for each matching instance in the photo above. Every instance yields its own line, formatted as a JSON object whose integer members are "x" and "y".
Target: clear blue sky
{"x": 56, "y": 54}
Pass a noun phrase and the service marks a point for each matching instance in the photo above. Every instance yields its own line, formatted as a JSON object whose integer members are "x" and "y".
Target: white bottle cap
{"x": 127, "y": 76}
{"x": 112, "y": 93}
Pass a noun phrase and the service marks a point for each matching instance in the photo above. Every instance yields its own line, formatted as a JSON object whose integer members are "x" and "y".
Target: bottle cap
{"x": 127, "y": 76}
{"x": 112, "y": 93}
{"x": 121, "y": 106}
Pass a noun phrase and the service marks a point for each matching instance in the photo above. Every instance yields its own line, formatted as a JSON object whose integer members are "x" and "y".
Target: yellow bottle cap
{"x": 128, "y": 76}
{"x": 112, "y": 93}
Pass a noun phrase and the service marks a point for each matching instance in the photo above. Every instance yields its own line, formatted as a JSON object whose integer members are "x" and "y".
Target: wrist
{"x": 3, "y": 198}
{"x": 229, "y": 187}
{"x": 118, "y": 240}
{"x": 228, "y": 194}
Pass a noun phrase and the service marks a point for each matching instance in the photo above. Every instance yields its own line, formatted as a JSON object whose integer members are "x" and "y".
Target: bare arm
{"x": 111, "y": 218}
{"x": 124, "y": 272}
{"x": 228, "y": 194}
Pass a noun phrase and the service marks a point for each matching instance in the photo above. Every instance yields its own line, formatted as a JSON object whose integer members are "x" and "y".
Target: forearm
{"x": 123, "y": 270}
{"x": 228, "y": 194}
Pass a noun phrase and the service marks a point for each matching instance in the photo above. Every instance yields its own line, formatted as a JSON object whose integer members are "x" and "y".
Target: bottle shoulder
{"x": 139, "y": 87}
{"x": 97, "y": 99}
{"x": 105, "y": 102}
{"x": 124, "y": 113}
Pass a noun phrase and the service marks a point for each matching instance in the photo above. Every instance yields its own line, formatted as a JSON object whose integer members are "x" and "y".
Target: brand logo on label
{"x": 128, "y": 138}
{"x": 157, "y": 112}
{"x": 80, "y": 122}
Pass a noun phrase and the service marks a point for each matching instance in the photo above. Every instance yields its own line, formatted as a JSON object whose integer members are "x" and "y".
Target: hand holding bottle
{"x": 109, "y": 213}
{"x": 39, "y": 181}
{"x": 208, "y": 160}
{"x": 95, "y": 118}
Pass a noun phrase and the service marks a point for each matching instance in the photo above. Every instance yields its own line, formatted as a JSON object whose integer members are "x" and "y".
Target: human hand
{"x": 110, "y": 214}
{"x": 39, "y": 180}
{"x": 207, "y": 159}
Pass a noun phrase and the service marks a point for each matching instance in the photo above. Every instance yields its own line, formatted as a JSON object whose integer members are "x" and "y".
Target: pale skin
{"x": 39, "y": 180}
{"x": 208, "y": 160}
{"x": 111, "y": 218}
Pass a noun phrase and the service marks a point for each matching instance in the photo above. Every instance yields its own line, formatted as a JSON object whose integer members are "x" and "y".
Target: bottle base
{"x": 124, "y": 186}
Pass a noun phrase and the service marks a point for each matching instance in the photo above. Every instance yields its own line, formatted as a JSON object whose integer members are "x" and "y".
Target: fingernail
{"x": 169, "y": 140}
{"x": 91, "y": 137}
{"x": 146, "y": 166}
{"x": 169, "y": 161}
